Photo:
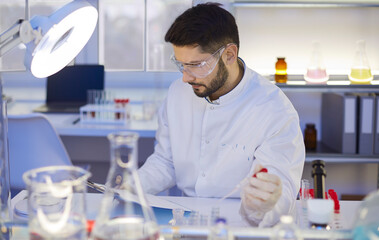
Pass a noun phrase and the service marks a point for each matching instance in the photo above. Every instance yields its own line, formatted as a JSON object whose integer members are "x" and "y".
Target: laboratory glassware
{"x": 360, "y": 71}
{"x": 366, "y": 224}
{"x": 124, "y": 212}
{"x": 5, "y": 194}
{"x": 310, "y": 136}
{"x": 177, "y": 217}
{"x": 56, "y": 202}
{"x": 219, "y": 230}
{"x": 281, "y": 70}
{"x": 316, "y": 72}
{"x": 286, "y": 229}
{"x": 304, "y": 197}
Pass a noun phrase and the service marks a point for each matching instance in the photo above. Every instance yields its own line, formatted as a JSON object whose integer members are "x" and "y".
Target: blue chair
{"x": 33, "y": 143}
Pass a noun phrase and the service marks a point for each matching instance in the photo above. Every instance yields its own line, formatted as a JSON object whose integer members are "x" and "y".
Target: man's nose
{"x": 187, "y": 77}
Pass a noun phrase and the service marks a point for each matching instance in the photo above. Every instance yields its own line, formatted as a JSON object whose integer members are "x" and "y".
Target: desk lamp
{"x": 51, "y": 43}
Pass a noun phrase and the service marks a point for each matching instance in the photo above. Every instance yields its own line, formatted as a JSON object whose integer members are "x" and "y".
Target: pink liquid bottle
{"x": 316, "y": 72}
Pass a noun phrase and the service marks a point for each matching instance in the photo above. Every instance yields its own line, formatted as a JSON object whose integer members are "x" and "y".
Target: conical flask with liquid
{"x": 360, "y": 71}
{"x": 124, "y": 212}
{"x": 316, "y": 72}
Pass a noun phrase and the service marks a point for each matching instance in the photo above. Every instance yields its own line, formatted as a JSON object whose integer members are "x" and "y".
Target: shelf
{"x": 336, "y": 83}
{"x": 305, "y": 4}
{"x": 326, "y": 154}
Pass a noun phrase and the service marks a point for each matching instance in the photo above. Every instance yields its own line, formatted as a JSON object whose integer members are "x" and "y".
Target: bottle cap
{"x": 220, "y": 220}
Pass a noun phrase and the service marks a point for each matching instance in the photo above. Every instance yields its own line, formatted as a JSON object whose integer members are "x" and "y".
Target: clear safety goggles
{"x": 200, "y": 69}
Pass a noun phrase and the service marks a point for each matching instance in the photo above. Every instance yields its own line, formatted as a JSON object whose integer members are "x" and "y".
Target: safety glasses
{"x": 200, "y": 69}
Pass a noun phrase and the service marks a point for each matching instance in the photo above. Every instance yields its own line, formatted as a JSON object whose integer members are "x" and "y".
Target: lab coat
{"x": 207, "y": 148}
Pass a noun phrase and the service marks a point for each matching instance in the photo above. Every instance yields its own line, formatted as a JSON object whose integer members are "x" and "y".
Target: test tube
{"x": 204, "y": 220}
{"x": 215, "y": 214}
{"x": 178, "y": 217}
{"x": 91, "y": 93}
{"x": 304, "y": 190}
{"x": 194, "y": 218}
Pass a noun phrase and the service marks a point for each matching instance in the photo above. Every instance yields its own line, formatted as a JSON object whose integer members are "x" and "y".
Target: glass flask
{"x": 360, "y": 71}
{"x": 366, "y": 223}
{"x": 316, "y": 72}
{"x": 124, "y": 212}
{"x": 56, "y": 202}
{"x": 281, "y": 70}
{"x": 286, "y": 229}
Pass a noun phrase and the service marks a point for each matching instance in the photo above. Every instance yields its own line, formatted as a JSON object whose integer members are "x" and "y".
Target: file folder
{"x": 339, "y": 122}
{"x": 366, "y": 124}
{"x": 376, "y": 132}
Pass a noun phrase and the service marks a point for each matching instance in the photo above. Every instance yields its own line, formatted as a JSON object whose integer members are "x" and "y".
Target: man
{"x": 223, "y": 122}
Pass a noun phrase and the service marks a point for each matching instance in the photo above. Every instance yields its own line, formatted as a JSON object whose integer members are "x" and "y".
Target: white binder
{"x": 366, "y": 124}
{"x": 376, "y": 131}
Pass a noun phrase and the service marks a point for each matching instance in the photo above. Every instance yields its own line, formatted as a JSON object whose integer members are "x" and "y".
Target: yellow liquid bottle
{"x": 360, "y": 71}
{"x": 360, "y": 75}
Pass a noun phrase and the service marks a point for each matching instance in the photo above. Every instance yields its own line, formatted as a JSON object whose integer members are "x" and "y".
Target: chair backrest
{"x": 33, "y": 143}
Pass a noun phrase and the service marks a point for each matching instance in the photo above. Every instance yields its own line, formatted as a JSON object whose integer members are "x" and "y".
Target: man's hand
{"x": 260, "y": 194}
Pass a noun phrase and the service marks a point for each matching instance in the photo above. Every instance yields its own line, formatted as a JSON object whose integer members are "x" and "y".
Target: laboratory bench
{"x": 228, "y": 209}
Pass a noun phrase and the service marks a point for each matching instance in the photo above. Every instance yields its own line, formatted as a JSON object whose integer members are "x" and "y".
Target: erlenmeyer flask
{"x": 124, "y": 212}
{"x": 316, "y": 72}
{"x": 360, "y": 71}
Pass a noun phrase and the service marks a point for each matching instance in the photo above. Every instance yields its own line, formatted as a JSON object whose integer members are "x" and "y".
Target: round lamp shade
{"x": 64, "y": 34}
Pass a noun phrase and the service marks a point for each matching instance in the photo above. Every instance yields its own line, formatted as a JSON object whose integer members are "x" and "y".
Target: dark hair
{"x": 207, "y": 25}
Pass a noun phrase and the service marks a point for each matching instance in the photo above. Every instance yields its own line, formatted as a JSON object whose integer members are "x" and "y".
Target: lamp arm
{"x": 20, "y": 32}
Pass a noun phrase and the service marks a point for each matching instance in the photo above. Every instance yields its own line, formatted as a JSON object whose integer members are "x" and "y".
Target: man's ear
{"x": 231, "y": 54}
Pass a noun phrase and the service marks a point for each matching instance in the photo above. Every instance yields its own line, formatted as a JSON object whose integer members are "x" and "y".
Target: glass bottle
{"x": 316, "y": 72}
{"x": 219, "y": 230}
{"x": 360, "y": 71}
{"x": 124, "y": 212}
{"x": 281, "y": 70}
{"x": 286, "y": 229}
{"x": 310, "y": 136}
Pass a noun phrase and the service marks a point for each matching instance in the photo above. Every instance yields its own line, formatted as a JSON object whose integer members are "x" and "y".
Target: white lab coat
{"x": 207, "y": 149}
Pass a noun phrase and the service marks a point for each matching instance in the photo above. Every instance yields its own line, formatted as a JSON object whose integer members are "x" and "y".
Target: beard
{"x": 216, "y": 83}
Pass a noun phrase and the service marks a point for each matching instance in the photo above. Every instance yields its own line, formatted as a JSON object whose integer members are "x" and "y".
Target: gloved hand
{"x": 260, "y": 195}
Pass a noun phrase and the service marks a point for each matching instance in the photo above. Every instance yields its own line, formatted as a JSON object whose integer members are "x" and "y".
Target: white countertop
{"x": 24, "y": 100}
{"x": 229, "y": 208}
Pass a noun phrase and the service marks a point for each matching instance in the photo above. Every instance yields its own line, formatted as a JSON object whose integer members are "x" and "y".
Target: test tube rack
{"x": 104, "y": 114}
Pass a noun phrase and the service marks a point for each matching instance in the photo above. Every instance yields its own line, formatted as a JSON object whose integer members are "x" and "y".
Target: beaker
{"x": 360, "y": 71}
{"x": 316, "y": 72}
{"x": 124, "y": 212}
{"x": 56, "y": 202}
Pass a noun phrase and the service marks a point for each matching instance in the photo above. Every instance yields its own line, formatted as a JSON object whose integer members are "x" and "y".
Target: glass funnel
{"x": 360, "y": 71}
{"x": 124, "y": 212}
{"x": 316, "y": 72}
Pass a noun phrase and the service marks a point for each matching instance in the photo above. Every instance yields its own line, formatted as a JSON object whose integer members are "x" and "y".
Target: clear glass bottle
{"x": 286, "y": 229}
{"x": 177, "y": 217}
{"x": 360, "y": 71}
{"x": 124, "y": 212}
{"x": 219, "y": 231}
{"x": 316, "y": 72}
{"x": 281, "y": 70}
